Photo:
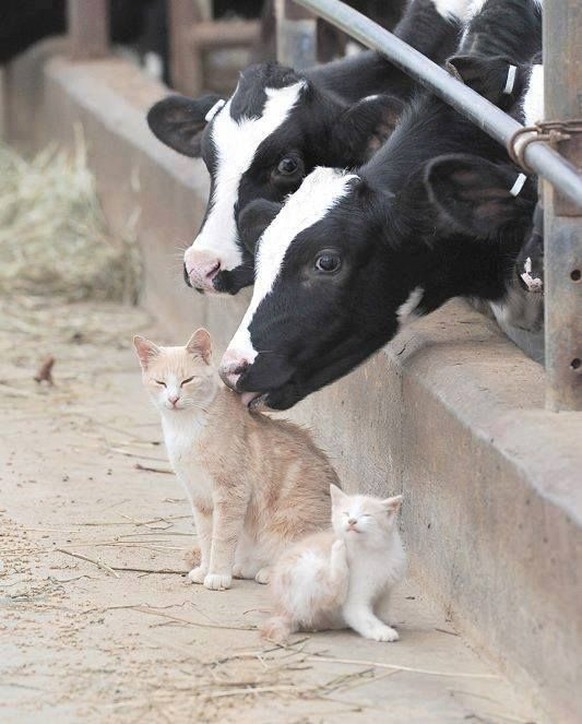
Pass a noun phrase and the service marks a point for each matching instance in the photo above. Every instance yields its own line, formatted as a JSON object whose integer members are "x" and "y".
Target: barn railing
{"x": 561, "y": 174}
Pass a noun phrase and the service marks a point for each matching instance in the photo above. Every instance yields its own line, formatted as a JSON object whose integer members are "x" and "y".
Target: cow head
{"x": 260, "y": 144}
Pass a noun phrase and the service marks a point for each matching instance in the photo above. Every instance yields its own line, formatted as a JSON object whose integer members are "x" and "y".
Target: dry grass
{"x": 53, "y": 236}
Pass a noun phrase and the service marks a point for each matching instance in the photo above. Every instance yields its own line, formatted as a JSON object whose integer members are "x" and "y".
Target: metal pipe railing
{"x": 539, "y": 156}
{"x": 296, "y": 35}
{"x": 563, "y": 223}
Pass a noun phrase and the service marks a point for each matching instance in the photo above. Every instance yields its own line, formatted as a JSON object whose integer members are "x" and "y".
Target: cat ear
{"x": 337, "y": 495}
{"x": 145, "y": 349}
{"x": 200, "y": 343}
{"x": 392, "y": 505}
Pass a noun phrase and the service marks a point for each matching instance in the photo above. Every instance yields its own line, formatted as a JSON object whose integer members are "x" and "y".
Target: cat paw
{"x": 247, "y": 572}
{"x": 197, "y": 574}
{"x": 239, "y": 570}
{"x": 383, "y": 633}
{"x": 264, "y": 575}
{"x": 193, "y": 557}
{"x": 217, "y": 581}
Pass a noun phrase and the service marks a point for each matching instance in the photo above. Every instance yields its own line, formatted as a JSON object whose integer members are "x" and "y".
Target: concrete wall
{"x": 450, "y": 413}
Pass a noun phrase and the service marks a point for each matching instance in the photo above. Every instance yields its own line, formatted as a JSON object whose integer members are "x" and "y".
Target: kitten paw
{"x": 217, "y": 581}
{"x": 264, "y": 575}
{"x": 383, "y": 633}
{"x": 338, "y": 547}
{"x": 197, "y": 574}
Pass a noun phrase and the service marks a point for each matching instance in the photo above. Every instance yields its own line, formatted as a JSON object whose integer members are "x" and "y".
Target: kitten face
{"x": 178, "y": 378}
{"x": 362, "y": 517}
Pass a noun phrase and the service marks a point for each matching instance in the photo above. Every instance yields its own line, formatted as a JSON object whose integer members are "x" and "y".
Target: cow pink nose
{"x": 201, "y": 268}
{"x": 232, "y": 365}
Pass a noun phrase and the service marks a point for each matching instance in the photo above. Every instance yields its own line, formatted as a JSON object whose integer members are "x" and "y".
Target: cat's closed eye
{"x": 186, "y": 381}
{"x": 160, "y": 382}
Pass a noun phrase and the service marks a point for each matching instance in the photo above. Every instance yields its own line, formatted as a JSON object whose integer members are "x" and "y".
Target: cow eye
{"x": 328, "y": 262}
{"x": 287, "y": 166}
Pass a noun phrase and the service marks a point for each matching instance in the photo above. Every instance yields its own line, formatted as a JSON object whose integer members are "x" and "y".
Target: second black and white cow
{"x": 278, "y": 125}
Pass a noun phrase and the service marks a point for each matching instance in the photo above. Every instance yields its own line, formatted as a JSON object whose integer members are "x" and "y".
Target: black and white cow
{"x": 350, "y": 258}
{"x": 278, "y": 125}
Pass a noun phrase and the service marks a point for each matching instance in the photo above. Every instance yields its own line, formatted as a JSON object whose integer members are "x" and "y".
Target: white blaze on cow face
{"x": 319, "y": 192}
{"x": 236, "y": 142}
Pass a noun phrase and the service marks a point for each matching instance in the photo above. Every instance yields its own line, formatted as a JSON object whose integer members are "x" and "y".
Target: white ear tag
{"x": 515, "y": 190}
{"x": 214, "y": 110}
{"x": 510, "y": 82}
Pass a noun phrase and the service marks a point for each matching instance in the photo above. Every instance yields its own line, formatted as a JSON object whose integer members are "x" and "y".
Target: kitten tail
{"x": 277, "y": 629}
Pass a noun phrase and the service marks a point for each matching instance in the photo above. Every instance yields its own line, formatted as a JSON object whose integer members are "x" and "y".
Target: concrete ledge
{"x": 450, "y": 413}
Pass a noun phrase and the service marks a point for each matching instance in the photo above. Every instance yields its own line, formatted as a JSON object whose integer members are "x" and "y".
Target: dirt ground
{"x": 97, "y": 620}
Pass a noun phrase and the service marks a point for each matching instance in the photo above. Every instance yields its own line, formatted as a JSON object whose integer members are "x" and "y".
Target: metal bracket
{"x": 565, "y": 137}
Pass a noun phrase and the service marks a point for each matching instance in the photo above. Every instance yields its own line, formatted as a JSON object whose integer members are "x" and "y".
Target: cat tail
{"x": 193, "y": 557}
{"x": 277, "y": 629}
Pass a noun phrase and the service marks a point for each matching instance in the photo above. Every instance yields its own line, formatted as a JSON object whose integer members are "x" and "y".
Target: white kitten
{"x": 341, "y": 577}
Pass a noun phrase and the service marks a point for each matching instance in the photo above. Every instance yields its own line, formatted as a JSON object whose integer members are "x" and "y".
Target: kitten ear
{"x": 337, "y": 495}
{"x": 145, "y": 349}
{"x": 392, "y": 505}
{"x": 200, "y": 343}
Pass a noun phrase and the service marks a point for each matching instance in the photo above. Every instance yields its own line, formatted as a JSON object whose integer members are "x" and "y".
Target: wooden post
{"x": 88, "y": 28}
{"x": 563, "y": 220}
{"x": 185, "y": 73}
{"x": 296, "y": 35}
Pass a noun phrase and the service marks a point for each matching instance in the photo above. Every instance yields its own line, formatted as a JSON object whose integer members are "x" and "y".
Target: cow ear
{"x": 478, "y": 196}
{"x": 495, "y": 78}
{"x": 364, "y": 126}
{"x": 254, "y": 219}
{"x": 178, "y": 121}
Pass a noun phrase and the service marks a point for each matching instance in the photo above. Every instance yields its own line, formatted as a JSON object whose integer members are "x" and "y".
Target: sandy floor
{"x": 121, "y": 635}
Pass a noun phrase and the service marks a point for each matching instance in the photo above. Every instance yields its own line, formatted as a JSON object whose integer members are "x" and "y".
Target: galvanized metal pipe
{"x": 563, "y": 223}
{"x": 539, "y": 156}
{"x": 296, "y": 35}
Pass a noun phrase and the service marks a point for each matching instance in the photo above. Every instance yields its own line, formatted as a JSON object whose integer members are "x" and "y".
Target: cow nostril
{"x": 212, "y": 271}
{"x": 242, "y": 366}
{"x": 186, "y": 275}
{"x": 231, "y": 370}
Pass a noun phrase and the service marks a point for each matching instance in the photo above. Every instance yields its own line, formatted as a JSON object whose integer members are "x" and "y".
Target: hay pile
{"x": 53, "y": 237}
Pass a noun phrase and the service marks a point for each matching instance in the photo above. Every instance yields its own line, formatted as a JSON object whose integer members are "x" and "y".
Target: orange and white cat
{"x": 255, "y": 484}
{"x": 342, "y": 577}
